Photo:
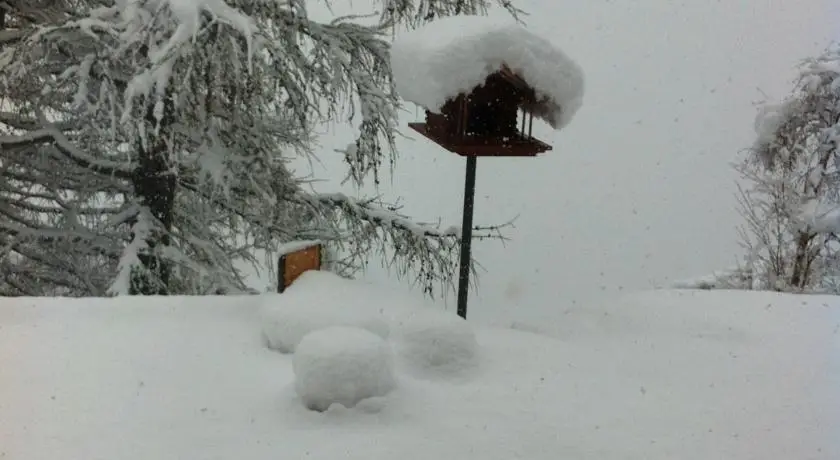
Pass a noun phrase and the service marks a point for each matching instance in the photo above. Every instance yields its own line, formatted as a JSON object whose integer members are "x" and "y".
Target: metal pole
{"x": 466, "y": 236}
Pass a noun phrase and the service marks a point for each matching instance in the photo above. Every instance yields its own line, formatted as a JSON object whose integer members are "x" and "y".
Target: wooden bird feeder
{"x": 295, "y": 260}
{"x": 517, "y": 75}
{"x": 495, "y": 119}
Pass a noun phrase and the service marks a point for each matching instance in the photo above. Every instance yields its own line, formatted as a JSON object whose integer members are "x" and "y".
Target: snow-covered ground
{"x": 656, "y": 375}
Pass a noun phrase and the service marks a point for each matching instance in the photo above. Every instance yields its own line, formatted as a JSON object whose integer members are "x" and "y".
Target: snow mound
{"x": 342, "y": 365}
{"x": 454, "y": 55}
{"x": 436, "y": 343}
{"x": 306, "y": 306}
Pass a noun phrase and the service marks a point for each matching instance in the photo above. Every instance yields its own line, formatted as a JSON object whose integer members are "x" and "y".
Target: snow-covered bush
{"x": 791, "y": 193}
{"x": 317, "y": 300}
{"x": 342, "y": 365}
{"x": 436, "y": 343}
{"x": 286, "y": 323}
{"x": 732, "y": 278}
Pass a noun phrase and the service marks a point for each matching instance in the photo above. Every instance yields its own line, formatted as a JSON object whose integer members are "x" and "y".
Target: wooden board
{"x": 295, "y": 263}
{"x": 528, "y": 147}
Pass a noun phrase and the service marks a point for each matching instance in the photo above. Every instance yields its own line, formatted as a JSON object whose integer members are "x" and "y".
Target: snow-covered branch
{"x": 56, "y": 139}
{"x": 423, "y": 252}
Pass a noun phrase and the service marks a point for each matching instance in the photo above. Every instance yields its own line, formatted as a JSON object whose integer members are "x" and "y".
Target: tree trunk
{"x": 801, "y": 260}
{"x": 154, "y": 184}
{"x": 804, "y": 257}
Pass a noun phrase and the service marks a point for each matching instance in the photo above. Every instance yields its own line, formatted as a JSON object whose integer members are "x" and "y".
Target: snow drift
{"x": 433, "y": 344}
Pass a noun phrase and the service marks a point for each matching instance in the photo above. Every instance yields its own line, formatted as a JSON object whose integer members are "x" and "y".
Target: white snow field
{"x": 656, "y": 375}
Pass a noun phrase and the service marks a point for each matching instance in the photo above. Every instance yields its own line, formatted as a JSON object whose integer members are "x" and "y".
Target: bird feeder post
{"x": 466, "y": 236}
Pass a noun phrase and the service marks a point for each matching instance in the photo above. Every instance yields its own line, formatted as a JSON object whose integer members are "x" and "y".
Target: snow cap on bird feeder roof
{"x": 454, "y": 55}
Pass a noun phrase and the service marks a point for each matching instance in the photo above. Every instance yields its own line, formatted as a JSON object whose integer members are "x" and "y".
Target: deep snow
{"x": 657, "y": 375}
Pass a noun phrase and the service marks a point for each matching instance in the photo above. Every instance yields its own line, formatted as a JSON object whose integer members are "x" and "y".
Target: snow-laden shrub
{"x": 436, "y": 343}
{"x": 342, "y": 365}
{"x": 733, "y": 278}
{"x": 285, "y": 324}
{"x": 318, "y": 300}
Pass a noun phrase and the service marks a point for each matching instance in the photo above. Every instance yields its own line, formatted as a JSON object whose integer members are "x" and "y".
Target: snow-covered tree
{"x": 791, "y": 197}
{"x": 145, "y": 143}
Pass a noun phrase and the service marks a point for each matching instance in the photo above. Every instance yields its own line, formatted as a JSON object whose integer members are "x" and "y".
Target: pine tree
{"x": 145, "y": 142}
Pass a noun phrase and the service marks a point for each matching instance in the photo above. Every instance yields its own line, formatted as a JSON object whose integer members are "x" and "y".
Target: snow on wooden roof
{"x": 454, "y": 55}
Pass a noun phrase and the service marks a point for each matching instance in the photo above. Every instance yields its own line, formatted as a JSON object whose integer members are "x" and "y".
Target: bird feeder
{"x": 494, "y": 119}
{"x": 482, "y": 81}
